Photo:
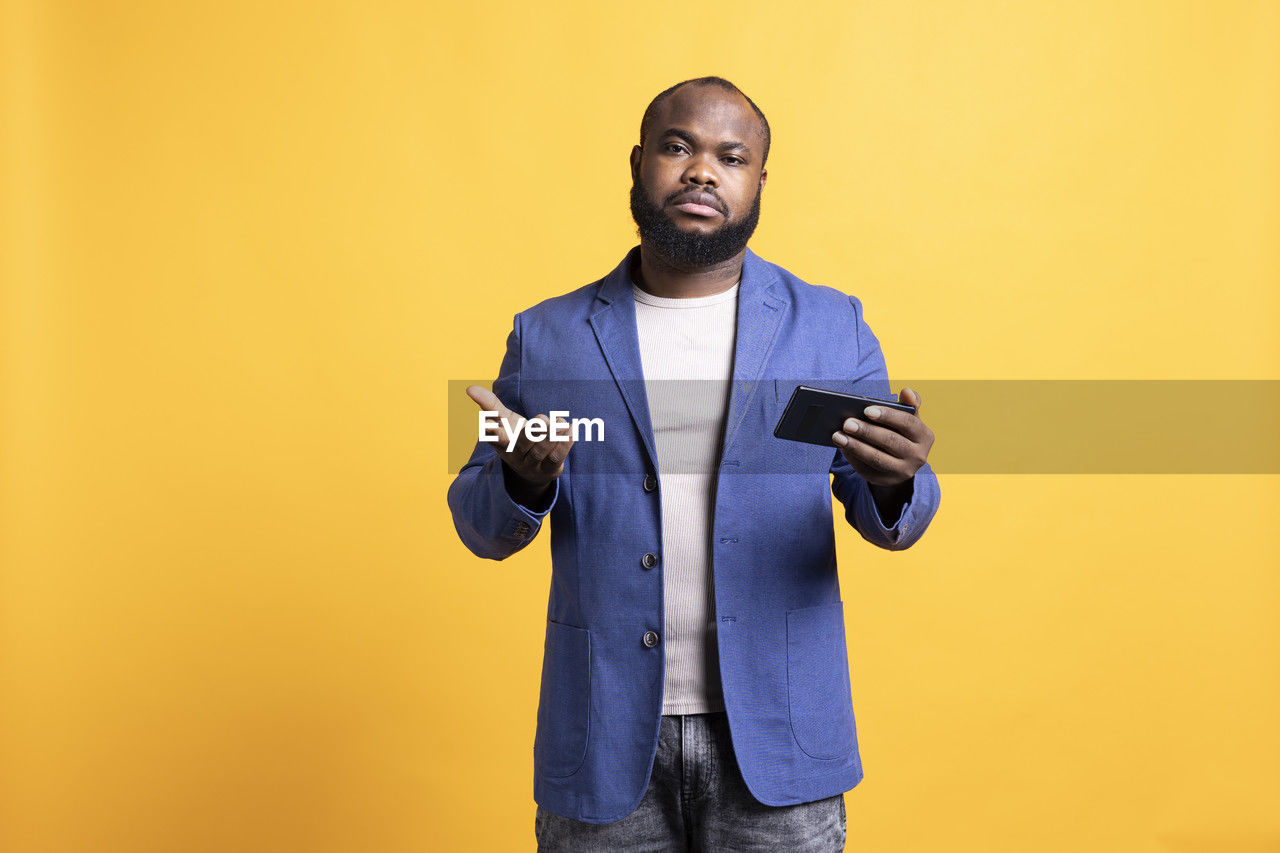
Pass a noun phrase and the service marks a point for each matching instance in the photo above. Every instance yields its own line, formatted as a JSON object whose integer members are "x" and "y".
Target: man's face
{"x": 696, "y": 184}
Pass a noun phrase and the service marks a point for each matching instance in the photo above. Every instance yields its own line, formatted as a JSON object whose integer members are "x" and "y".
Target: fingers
{"x": 553, "y": 462}
{"x": 538, "y": 460}
{"x": 904, "y": 423}
{"x": 484, "y": 398}
{"x": 557, "y": 451}
{"x": 862, "y": 455}
{"x": 541, "y": 457}
{"x": 881, "y": 437}
{"x": 534, "y": 450}
{"x": 489, "y": 401}
{"x": 889, "y": 440}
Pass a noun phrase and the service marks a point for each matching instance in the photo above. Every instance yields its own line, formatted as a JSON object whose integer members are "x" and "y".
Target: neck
{"x": 661, "y": 277}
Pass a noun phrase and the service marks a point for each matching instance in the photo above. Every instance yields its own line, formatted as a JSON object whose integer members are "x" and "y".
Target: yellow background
{"x": 245, "y": 246}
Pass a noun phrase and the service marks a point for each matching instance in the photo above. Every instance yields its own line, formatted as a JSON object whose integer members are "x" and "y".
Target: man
{"x": 695, "y": 685}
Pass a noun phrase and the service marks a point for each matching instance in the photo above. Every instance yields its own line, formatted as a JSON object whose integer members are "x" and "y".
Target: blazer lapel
{"x": 615, "y": 328}
{"x": 761, "y": 308}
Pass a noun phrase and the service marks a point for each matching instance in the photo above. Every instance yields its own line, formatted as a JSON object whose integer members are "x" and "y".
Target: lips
{"x": 698, "y": 203}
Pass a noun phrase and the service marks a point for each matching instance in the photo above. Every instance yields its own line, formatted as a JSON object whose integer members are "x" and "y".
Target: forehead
{"x": 710, "y": 111}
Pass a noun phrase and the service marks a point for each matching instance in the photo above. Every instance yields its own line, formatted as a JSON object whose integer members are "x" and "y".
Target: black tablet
{"x": 813, "y": 415}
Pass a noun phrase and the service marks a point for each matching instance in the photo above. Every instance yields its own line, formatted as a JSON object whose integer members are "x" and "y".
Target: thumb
{"x": 489, "y": 401}
{"x": 911, "y": 398}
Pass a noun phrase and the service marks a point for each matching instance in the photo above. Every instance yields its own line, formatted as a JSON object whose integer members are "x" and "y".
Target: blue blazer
{"x": 780, "y": 621}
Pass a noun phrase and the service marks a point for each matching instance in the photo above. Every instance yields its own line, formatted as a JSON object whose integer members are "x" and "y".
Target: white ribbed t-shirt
{"x": 686, "y": 352}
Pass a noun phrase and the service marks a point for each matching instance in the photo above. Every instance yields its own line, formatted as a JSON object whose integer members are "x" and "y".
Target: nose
{"x": 699, "y": 171}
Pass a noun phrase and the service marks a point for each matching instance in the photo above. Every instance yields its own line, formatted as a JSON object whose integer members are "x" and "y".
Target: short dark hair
{"x": 719, "y": 82}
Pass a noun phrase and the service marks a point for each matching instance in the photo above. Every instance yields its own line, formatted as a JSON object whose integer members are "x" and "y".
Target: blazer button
{"x": 650, "y": 639}
{"x": 650, "y": 483}
{"x": 649, "y": 561}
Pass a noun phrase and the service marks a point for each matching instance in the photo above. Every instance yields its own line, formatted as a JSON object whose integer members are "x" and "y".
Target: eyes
{"x": 678, "y": 148}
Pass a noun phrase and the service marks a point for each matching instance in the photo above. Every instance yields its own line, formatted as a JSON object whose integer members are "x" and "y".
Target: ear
{"x": 764, "y": 174}
{"x": 636, "y": 154}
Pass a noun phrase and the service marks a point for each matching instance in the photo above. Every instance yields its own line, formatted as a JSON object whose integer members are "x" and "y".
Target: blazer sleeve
{"x": 488, "y": 521}
{"x": 872, "y": 379}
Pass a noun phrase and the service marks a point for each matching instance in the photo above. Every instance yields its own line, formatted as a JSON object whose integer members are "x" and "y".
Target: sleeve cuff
{"x": 523, "y": 523}
{"x": 870, "y": 511}
{"x": 888, "y": 528}
{"x": 538, "y": 514}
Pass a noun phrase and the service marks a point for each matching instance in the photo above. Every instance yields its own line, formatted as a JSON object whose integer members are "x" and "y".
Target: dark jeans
{"x": 697, "y": 801}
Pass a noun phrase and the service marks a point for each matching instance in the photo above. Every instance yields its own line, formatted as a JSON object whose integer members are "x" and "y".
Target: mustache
{"x": 676, "y": 197}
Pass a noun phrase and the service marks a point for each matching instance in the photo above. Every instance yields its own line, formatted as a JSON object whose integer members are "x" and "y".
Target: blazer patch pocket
{"x": 560, "y": 742}
{"x": 818, "y": 688}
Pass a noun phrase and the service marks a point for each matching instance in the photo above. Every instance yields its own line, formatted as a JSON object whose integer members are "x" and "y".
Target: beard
{"x": 689, "y": 248}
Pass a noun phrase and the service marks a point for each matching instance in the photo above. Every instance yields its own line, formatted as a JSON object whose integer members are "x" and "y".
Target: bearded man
{"x": 695, "y": 683}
